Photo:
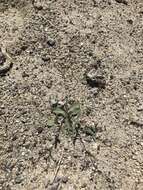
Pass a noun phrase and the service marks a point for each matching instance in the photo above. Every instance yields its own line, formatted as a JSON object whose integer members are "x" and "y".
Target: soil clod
{"x": 95, "y": 79}
{"x": 122, "y": 1}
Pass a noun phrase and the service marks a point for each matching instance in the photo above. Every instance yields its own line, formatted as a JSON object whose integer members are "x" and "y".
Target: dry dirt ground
{"x": 54, "y": 45}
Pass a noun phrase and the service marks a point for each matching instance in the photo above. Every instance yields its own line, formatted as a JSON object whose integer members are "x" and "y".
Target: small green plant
{"x": 66, "y": 118}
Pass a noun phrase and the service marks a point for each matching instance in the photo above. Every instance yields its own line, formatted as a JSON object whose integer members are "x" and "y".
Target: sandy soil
{"x": 54, "y": 45}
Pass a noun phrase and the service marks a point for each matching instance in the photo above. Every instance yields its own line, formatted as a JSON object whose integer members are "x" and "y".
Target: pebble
{"x": 94, "y": 79}
{"x": 140, "y": 108}
{"x": 24, "y": 74}
{"x": 38, "y": 5}
{"x": 94, "y": 91}
{"x": 53, "y": 101}
{"x": 40, "y": 129}
{"x": 45, "y": 58}
{"x": 51, "y": 42}
{"x": 130, "y": 21}
{"x": 84, "y": 185}
{"x": 18, "y": 180}
{"x": 64, "y": 179}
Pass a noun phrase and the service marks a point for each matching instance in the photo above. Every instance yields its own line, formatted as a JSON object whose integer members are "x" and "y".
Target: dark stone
{"x": 40, "y": 129}
{"x": 90, "y": 53}
{"x": 94, "y": 91}
{"x": 84, "y": 185}
{"x": 95, "y": 79}
{"x": 24, "y": 74}
{"x": 141, "y": 12}
{"x": 130, "y": 21}
{"x": 64, "y": 179}
{"x": 24, "y": 47}
{"x": 14, "y": 138}
{"x": 2, "y": 58}
{"x": 51, "y": 42}
{"x": 45, "y": 58}
{"x": 5, "y": 69}
{"x": 122, "y": 1}
{"x": 37, "y": 4}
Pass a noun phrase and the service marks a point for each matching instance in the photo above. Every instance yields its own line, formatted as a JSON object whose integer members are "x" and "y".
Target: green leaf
{"x": 59, "y": 111}
{"x": 68, "y": 127}
{"x": 74, "y": 109}
{"x": 51, "y": 122}
{"x": 67, "y": 124}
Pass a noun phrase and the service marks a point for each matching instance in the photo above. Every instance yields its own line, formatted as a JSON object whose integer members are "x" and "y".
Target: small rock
{"x": 51, "y": 42}
{"x": 122, "y": 1}
{"x": 130, "y": 21}
{"x": 14, "y": 29}
{"x": 14, "y": 137}
{"x": 2, "y": 58}
{"x": 90, "y": 53}
{"x": 40, "y": 129}
{"x": 64, "y": 179}
{"x": 18, "y": 180}
{"x": 45, "y": 58}
{"x": 53, "y": 102}
{"x": 84, "y": 185}
{"x": 94, "y": 79}
{"x": 140, "y": 108}
{"x": 33, "y": 179}
{"x": 94, "y": 91}
{"x": 27, "y": 145}
{"x": 24, "y": 74}
{"x": 38, "y": 5}
{"x": 61, "y": 103}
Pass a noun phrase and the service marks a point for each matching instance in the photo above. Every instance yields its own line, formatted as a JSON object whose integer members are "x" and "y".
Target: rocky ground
{"x": 90, "y": 51}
